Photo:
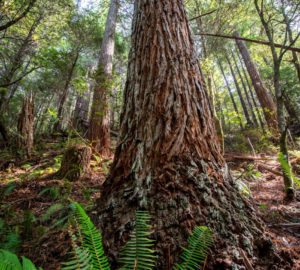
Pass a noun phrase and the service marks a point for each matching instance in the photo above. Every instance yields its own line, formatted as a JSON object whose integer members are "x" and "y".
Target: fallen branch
{"x": 231, "y": 157}
{"x": 252, "y": 40}
{"x": 267, "y": 168}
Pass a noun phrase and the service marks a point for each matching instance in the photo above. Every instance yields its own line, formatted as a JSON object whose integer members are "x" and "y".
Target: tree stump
{"x": 26, "y": 126}
{"x": 75, "y": 163}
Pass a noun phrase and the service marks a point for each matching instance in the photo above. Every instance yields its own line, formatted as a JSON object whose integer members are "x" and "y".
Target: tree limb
{"x": 12, "y": 22}
{"x": 202, "y": 15}
{"x": 253, "y": 41}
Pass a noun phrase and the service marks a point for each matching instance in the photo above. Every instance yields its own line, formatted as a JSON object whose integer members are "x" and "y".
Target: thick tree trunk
{"x": 249, "y": 122}
{"x": 264, "y": 98}
{"x": 26, "y": 127}
{"x": 99, "y": 129}
{"x": 245, "y": 91}
{"x": 64, "y": 95}
{"x": 168, "y": 159}
{"x": 230, "y": 93}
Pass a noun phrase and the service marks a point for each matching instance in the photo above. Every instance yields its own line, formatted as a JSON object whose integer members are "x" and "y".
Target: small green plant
{"x": 90, "y": 240}
{"x": 10, "y": 261}
{"x": 199, "y": 242}
{"x": 137, "y": 253}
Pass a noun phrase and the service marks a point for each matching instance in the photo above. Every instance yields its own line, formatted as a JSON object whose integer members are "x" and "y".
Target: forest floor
{"x": 34, "y": 206}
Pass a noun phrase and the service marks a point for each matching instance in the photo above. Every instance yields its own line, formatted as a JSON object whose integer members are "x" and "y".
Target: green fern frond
{"x": 81, "y": 258}
{"x": 10, "y": 261}
{"x": 137, "y": 253}
{"x": 199, "y": 242}
{"x": 91, "y": 239}
{"x": 287, "y": 169}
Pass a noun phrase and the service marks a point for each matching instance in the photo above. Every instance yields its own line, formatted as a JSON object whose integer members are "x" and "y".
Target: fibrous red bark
{"x": 168, "y": 159}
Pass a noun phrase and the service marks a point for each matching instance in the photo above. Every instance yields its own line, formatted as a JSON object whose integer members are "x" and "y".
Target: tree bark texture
{"x": 75, "y": 163}
{"x": 264, "y": 97}
{"x": 99, "y": 129}
{"x": 168, "y": 159}
{"x": 26, "y": 126}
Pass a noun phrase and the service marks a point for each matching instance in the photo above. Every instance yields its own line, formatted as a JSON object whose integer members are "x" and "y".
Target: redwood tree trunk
{"x": 99, "y": 129}
{"x": 26, "y": 126}
{"x": 264, "y": 98}
{"x": 168, "y": 159}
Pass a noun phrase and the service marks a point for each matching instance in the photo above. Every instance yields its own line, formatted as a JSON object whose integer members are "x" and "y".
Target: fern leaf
{"x": 91, "y": 239}
{"x": 137, "y": 253}
{"x": 81, "y": 258}
{"x": 199, "y": 242}
{"x": 10, "y": 261}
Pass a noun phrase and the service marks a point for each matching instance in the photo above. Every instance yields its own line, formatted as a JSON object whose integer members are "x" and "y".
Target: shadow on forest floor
{"x": 32, "y": 207}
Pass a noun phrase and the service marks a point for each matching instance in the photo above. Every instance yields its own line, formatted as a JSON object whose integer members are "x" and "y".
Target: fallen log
{"x": 231, "y": 157}
{"x": 269, "y": 169}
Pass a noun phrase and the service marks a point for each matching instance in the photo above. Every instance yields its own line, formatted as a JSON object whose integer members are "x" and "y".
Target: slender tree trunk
{"x": 294, "y": 119}
{"x": 249, "y": 122}
{"x": 99, "y": 129}
{"x": 168, "y": 160}
{"x": 288, "y": 180}
{"x": 290, "y": 37}
{"x": 64, "y": 95}
{"x": 9, "y": 74}
{"x": 264, "y": 98}
{"x": 26, "y": 126}
{"x": 252, "y": 94}
{"x": 246, "y": 91}
{"x": 230, "y": 93}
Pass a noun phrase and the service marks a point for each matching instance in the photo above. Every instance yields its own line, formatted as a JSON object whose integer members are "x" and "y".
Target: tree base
{"x": 75, "y": 163}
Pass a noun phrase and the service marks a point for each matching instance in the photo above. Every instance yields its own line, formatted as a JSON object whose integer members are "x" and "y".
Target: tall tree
{"x": 249, "y": 122}
{"x": 168, "y": 159}
{"x": 264, "y": 97}
{"x": 251, "y": 92}
{"x": 99, "y": 129}
{"x": 277, "y": 58}
{"x": 245, "y": 90}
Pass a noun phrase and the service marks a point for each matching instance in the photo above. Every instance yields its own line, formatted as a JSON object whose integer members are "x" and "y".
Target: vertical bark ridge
{"x": 168, "y": 159}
